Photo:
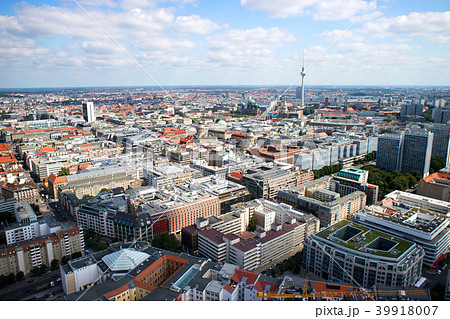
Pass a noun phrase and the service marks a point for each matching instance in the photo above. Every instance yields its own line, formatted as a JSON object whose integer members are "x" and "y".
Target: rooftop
{"x": 364, "y": 239}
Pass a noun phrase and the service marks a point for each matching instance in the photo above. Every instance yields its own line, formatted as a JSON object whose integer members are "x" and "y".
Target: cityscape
{"x": 297, "y": 189}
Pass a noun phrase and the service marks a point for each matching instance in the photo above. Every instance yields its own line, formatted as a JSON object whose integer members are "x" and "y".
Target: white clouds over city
{"x": 248, "y": 42}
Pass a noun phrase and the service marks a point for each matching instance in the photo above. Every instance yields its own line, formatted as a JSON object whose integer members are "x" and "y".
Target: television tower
{"x": 303, "y": 80}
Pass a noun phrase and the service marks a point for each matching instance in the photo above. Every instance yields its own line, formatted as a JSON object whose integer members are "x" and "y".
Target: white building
{"x": 19, "y": 232}
{"x": 409, "y": 200}
{"x": 426, "y": 229}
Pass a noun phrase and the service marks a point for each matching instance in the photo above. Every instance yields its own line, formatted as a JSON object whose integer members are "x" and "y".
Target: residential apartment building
{"x": 253, "y": 251}
{"x": 28, "y": 254}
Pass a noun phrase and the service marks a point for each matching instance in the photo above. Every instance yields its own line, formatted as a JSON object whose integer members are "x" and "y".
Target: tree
{"x": 76, "y": 255}
{"x": 290, "y": 263}
{"x": 104, "y": 189}
{"x": 296, "y": 269}
{"x": 54, "y": 264}
{"x": 252, "y": 224}
{"x": 428, "y": 115}
{"x": 273, "y": 272}
{"x": 388, "y": 131}
{"x": 20, "y": 275}
{"x": 437, "y": 163}
{"x": 90, "y": 233}
{"x": 281, "y": 268}
{"x": 64, "y": 171}
{"x": 64, "y": 260}
{"x": 167, "y": 242}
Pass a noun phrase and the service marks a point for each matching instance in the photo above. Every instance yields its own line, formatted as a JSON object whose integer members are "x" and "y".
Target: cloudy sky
{"x": 55, "y": 43}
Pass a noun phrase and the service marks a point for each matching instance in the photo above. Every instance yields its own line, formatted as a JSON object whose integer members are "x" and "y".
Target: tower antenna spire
{"x": 302, "y": 74}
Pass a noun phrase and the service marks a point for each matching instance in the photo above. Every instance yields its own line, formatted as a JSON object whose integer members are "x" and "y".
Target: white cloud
{"x": 250, "y": 48}
{"x": 194, "y": 24}
{"x": 424, "y": 24}
{"x": 319, "y": 9}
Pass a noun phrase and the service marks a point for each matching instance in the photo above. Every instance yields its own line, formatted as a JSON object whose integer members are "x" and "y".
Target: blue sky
{"x": 241, "y": 42}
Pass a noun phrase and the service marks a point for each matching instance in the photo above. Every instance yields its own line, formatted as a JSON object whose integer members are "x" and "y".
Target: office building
{"x": 253, "y": 251}
{"x": 409, "y": 200}
{"x": 405, "y": 152}
{"x": 88, "y": 111}
{"x": 316, "y": 198}
{"x": 441, "y": 140}
{"x": 369, "y": 257}
{"x": 265, "y": 182}
{"x": 351, "y": 179}
{"x": 426, "y": 229}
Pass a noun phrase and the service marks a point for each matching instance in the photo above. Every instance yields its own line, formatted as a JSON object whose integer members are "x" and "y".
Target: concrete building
{"x": 409, "y": 200}
{"x": 24, "y": 213}
{"x": 315, "y": 197}
{"x": 18, "y": 232}
{"x": 441, "y": 140}
{"x": 28, "y": 254}
{"x": 147, "y": 272}
{"x": 350, "y": 179}
{"x": 228, "y": 192}
{"x": 265, "y": 182}
{"x": 369, "y": 257}
{"x": 426, "y": 229}
{"x": 253, "y": 251}
{"x": 167, "y": 176}
{"x": 405, "y": 152}
{"x": 436, "y": 185}
{"x": 88, "y": 111}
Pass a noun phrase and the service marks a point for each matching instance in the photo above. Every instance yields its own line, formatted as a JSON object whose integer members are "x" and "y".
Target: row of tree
{"x": 390, "y": 181}
{"x": 327, "y": 170}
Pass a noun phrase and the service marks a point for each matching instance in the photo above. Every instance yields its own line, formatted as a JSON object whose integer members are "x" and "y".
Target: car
{"x": 438, "y": 272}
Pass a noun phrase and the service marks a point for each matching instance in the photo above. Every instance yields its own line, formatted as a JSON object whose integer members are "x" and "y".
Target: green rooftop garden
{"x": 352, "y": 239}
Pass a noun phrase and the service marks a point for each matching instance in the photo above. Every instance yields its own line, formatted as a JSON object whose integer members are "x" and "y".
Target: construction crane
{"x": 367, "y": 294}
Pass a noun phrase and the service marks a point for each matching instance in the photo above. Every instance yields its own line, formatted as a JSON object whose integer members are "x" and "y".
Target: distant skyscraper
{"x": 88, "y": 111}
{"x": 405, "y": 152}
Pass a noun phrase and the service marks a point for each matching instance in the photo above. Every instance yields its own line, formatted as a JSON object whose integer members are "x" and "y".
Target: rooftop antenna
{"x": 302, "y": 74}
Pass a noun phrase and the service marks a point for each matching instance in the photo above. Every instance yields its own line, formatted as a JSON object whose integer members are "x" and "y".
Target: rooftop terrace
{"x": 364, "y": 239}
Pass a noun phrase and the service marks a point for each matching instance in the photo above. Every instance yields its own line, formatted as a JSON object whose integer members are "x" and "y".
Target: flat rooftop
{"x": 415, "y": 218}
{"x": 364, "y": 239}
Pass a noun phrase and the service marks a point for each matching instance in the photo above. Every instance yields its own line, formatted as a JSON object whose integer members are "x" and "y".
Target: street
{"x": 27, "y": 288}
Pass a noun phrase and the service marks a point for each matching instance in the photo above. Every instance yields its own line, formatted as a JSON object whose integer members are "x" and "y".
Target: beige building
{"x": 26, "y": 255}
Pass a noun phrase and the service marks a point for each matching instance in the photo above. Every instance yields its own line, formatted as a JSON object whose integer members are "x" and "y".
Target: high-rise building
{"x": 417, "y": 152}
{"x": 389, "y": 152}
{"x": 441, "y": 140}
{"x": 88, "y": 111}
{"x": 405, "y": 152}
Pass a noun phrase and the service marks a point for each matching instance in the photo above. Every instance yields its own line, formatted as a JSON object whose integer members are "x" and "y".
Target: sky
{"x": 79, "y": 43}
